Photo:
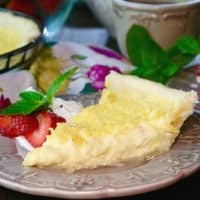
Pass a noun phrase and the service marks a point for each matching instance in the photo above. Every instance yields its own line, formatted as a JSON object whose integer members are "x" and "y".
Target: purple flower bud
{"x": 4, "y": 102}
{"x": 107, "y": 52}
{"x": 98, "y": 73}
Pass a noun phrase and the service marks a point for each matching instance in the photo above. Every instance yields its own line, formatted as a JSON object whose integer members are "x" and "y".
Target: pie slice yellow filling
{"x": 133, "y": 120}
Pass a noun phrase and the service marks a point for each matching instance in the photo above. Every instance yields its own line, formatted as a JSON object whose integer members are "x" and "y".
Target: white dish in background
{"x": 13, "y": 82}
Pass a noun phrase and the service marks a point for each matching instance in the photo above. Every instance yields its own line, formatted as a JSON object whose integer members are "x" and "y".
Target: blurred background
{"x": 59, "y": 14}
{"x": 37, "y": 8}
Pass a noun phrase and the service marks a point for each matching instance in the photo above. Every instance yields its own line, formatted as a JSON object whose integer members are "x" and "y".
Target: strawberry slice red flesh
{"x": 46, "y": 120}
{"x": 13, "y": 126}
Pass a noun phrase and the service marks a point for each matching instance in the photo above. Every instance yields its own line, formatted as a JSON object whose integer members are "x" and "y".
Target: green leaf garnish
{"x": 31, "y": 96}
{"x": 22, "y": 107}
{"x": 186, "y": 45}
{"x": 143, "y": 50}
{"x": 78, "y": 57}
{"x": 88, "y": 89}
{"x": 31, "y": 101}
{"x": 184, "y": 50}
{"x": 56, "y": 84}
{"x": 154, "y": 63}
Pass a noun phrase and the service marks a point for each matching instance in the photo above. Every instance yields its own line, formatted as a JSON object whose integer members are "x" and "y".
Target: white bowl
{"x": 102, "y": 9}
{"x": 165, "y": 21}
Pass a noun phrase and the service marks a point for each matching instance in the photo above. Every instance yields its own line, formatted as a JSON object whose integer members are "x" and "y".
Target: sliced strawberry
{"x": 46, "y": 120}
{"x": 5, "y": 121}
{"x": 13, "y": 126}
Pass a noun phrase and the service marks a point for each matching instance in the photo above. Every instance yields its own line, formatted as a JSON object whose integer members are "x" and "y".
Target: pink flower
{"x": 107, "y": 52}
{"x": 98, "y": 73}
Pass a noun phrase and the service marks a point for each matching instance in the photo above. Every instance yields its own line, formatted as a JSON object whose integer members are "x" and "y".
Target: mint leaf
{"x": 56, "y": 84}
{"x": 143, "y": 51}
{"x": 184, "y": 50}
{"x": 32, "y": 96}
{"x": 31, "y": 101}
{"x": 181, "y": 60}
{"x": 20, "y": 107}
{"x": 161, "y": 75}
{"x": 152, "y": 61}
{"x": 186, "y": 45}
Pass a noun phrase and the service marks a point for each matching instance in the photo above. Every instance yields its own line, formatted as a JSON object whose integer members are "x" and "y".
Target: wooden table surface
{"x": 188, "y": 188}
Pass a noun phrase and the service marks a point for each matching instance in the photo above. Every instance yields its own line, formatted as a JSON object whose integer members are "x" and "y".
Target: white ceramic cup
{"x": 102, "y": 9}
{"x": 166, "y": 21}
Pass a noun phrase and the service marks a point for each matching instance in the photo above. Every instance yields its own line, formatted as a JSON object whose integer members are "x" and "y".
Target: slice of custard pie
{"x": 134, "y": 119}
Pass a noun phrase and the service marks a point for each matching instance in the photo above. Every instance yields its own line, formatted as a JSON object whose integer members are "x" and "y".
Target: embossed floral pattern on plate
{"x": 182, "y": 160}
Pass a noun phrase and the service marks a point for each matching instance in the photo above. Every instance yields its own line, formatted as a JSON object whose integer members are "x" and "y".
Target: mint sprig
{"x": 155, "y": 63}
{"x": 56, "y": 84}
{"x": 31, "y": 101}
